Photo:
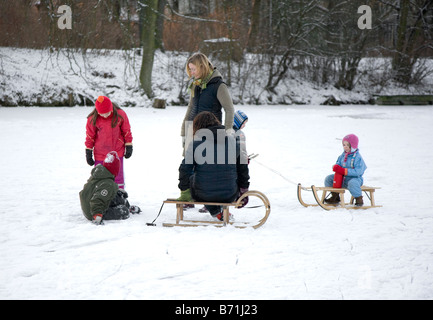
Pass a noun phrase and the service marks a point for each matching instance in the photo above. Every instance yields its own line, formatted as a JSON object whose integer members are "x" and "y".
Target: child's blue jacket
{"x": 355, "y": 164}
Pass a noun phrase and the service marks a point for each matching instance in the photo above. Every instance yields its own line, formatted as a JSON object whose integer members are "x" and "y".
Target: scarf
{"x": 353, "y": 159}
{"x": 202, "y": 83}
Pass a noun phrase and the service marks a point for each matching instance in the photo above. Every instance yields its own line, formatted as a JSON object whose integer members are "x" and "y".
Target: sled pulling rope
{"x": 153, "y": 222}
{"x": 181, "y": 222}
{"x": 320, "y": 201}
{"x": 270, "y": 169}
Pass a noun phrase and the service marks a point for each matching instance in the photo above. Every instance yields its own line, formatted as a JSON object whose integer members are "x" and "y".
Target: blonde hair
{"x": 204, "y": 66}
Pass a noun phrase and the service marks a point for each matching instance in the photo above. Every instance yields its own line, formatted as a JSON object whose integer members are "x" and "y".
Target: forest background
{"x": 353, "y": 45}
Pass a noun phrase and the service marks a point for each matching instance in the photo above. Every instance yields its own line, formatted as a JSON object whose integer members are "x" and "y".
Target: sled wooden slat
{"x": 181, "y": 222}
{"x": 320, "y": 201}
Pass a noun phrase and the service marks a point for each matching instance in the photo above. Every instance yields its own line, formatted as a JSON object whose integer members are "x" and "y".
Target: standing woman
{"x": 208, "y": 93}
{"x": 107, "y": 130}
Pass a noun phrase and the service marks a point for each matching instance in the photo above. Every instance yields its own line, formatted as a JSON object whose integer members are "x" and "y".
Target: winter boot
{"x": 187, "y": 206}
{"x": 97, "y": 219}
{"x": 204, "y": 209}
{"x": 334, "y": 199}
{"x": 359, "y": 202}
{"x": 134, "y": 209}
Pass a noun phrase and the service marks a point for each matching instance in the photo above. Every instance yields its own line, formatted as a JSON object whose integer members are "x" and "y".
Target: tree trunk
{"x": 254, "y": 26}
{"x": 148, "y": 12}
{"x": 160, "y": 25}
{"x": 400, "y": 61}
{"x": 412, "y": 28}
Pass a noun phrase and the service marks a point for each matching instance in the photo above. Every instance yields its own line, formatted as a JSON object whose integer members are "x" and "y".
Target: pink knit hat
{"x": 352, "y": 139}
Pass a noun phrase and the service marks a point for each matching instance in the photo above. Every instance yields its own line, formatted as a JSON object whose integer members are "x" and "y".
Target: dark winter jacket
{"x": 98, "y": 192}
{"x": 213, "y": 98}
{"x": 205, "y": 99}
{"x": 212, "y": 168}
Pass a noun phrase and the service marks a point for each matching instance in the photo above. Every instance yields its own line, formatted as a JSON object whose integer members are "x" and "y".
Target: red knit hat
{"x": 103, "y": 105}
{"x": 112, "y": 162}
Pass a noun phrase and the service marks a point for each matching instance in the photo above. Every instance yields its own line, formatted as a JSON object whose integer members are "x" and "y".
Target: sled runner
{"x": 369, "y": 191}
{"x": 181, "y": 222}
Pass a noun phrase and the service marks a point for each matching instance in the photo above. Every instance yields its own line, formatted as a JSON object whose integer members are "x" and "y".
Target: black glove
{"x": 89, "y": 157}
{"x": 122, "y": 193}
{"x": 128, "y": 151}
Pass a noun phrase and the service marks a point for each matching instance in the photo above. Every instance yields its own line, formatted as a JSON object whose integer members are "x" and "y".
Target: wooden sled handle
{"x": 265, "y": 201}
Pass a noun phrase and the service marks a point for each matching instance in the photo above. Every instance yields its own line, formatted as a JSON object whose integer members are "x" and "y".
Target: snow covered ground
{"x": 50, "y": 251}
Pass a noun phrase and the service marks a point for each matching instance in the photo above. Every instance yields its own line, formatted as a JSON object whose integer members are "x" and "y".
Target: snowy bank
{"x": 42, "y": 78}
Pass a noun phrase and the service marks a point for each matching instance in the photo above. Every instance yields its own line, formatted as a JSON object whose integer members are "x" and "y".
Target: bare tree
{"x": 253, "y": 32}
{"x": 148, "y": 13}
{"x": 414, "y": 34}
{"x": 290, "y": 25}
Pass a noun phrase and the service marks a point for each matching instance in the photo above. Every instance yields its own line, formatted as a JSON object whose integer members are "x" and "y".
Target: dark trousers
{"x": 213, "y": 210}
{"x": 119, "y": 207}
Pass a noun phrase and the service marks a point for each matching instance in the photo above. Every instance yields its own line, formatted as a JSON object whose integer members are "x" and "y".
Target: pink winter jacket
{"x": 102, "y": 138}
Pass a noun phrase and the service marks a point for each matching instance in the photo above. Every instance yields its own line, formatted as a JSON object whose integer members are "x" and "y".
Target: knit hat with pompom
{"x": 112, "y": 162}
{"x": 103, "y": 105}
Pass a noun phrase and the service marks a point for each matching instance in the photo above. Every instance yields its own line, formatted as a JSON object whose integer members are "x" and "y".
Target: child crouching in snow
{"x": 101, "y": 199}
{"x": 349, "y": 170}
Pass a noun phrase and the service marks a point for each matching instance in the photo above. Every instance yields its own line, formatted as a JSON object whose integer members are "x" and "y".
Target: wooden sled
{"x": 181, "y": 222}
{"x": 320, "y": 201}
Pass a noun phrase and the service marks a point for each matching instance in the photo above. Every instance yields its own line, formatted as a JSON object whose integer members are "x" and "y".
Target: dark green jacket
{"x": 98, "y": 192}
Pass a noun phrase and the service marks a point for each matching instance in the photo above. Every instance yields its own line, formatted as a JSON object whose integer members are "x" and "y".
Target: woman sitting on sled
{"x": 214, "y": 169}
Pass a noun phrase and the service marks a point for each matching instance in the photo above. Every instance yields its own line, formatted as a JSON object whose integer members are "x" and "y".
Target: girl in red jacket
{"x": 107, "y": 130}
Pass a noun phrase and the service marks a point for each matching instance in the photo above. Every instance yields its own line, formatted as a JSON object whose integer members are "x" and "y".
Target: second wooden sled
{"x": 320, "y": 201}
{"x": 181, "y": 222}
